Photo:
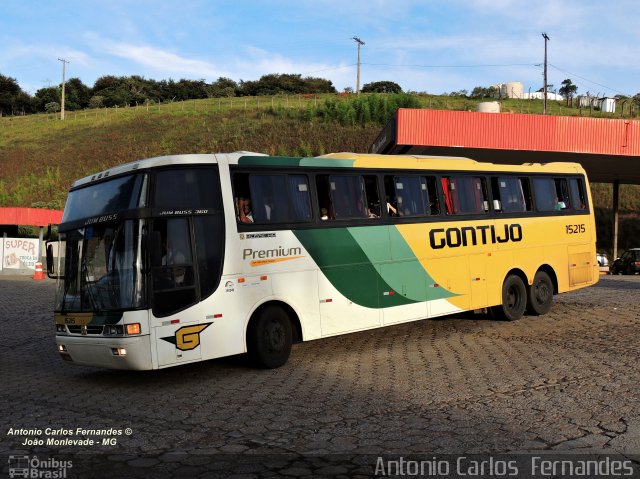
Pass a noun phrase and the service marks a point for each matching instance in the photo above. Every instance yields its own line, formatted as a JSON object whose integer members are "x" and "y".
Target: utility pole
{"x": 360, "y": 43}
{"x": 64, "y": 64}
{"x": 546, "y": 39}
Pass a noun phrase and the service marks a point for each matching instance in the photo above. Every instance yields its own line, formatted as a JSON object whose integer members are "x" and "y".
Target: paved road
{"x": 565, "y": 382}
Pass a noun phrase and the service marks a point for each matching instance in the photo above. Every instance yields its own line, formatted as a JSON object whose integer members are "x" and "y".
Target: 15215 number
{"x": 575, "y": 229}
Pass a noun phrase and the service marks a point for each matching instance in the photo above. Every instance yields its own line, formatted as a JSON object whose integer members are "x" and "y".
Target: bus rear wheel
{"x": 269, "y": 338}
{"x": 514, "y": 299}
{"x": 540, "y": 294}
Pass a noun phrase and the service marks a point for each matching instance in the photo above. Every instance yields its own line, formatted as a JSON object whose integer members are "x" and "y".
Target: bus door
{"x": 176, "y": 313}
{"x": 178, "y": 340}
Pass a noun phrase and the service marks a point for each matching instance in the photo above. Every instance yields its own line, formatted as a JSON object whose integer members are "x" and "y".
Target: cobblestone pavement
{"x": 564, "y": 382}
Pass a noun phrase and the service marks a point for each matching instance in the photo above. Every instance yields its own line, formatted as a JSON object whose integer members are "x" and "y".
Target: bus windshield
{"x": 117, "y": 194}
{"x": 101, "y": 268}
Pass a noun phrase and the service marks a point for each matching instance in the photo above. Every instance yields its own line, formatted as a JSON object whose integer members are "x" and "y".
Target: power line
{"x": 330, "y": 69}
{"x": 451, "y": 66}
{"x": 586, "y": 79}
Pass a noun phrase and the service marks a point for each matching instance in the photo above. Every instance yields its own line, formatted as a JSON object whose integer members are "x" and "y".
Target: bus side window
{"x": 430, "y": 194}
{"x": 242, "y": 197}
{"x": 509, "y": 194}
{"x": 578, "y": 198}
{"x": 280, "y": 198}
{"x": 172, "y": 266}
{"x": 391, "y": 201}
{"x": 372, "y": 196}
{"x": 325, "y": 212}
{"x": 546, "y": 197}
{"x": 409, "y": 195}
{"x": 347, "y": 196}
{"x": 416, "y": 195}
{"x": 446, "y": 190}
{"x": 562, "y": 193}
{"x": 525, "y": 184}
{"x": 466, "y": 194}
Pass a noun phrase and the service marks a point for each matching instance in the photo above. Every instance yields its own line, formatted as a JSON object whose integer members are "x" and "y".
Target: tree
{"x": 12, "y": 98}
{"x": 222, "y": 87}
{"x": 286, "y": 83}
{"x": 52, "y": 107}
{"x": 112, "y": 89}
{"x": 484, "y": 92}
{"x": 96, "y": 101}
{"x": 568, "y": 90}
{"x": 381, "y": 87}
{"x": 46, "y": 95}
{"x": 76, "y": 94}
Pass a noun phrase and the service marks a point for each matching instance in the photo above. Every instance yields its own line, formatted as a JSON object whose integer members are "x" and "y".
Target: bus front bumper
{"x": 113, "y": 353}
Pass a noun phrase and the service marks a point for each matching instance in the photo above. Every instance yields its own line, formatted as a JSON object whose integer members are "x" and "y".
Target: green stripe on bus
{"x": 268, "y": 161}
{"x": 357, "y": 262}
{"x": 298, "y": 161}
{"x": 326, "y": 162}
{"x": 402, "y": 271}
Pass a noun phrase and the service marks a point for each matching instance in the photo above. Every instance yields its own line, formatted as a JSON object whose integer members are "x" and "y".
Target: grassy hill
{"x": 40, "y": 155}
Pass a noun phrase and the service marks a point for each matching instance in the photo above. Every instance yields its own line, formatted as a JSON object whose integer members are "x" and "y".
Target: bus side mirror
{"x": 51, "y": 265}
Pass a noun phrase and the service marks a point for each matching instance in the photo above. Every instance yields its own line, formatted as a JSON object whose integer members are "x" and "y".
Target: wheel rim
{"x": 274, "y": 336}
{"x": 541, "y": 292}
{"x": 513, "y": 298}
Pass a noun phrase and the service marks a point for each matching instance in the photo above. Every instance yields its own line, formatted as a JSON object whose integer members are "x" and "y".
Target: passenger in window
{"x": 174, "y": 259}
{"x": 324, "y": 214}
{"x": 245, "y": 215}
{"x": 560, "y": 205}
{"x": 390, "y": 209}
{"x": 374, "y": 208}
{"x": 364, "y": 212}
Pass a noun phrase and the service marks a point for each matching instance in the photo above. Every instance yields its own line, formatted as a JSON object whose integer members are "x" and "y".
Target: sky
{"x": 433, "y": 46}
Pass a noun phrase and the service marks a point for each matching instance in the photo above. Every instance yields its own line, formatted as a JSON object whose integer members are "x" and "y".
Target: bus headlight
{"x": 113, "y": 330}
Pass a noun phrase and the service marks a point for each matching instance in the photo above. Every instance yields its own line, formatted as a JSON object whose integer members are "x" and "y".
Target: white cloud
{"x": 166, "y": 62}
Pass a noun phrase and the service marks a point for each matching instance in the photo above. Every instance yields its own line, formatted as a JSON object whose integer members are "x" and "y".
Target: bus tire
{"x": 540, "y": 294}
{"x": 514, "y": 299}
{"x": 269, "y": 338}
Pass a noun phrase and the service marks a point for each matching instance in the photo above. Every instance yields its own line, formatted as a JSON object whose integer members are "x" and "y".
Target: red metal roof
{"x": 608, "y": 149}
{"x": 514, "y": 131}
{"x": 29, "y": 216}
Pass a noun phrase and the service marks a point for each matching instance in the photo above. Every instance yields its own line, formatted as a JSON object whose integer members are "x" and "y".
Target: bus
{"x": 184, "y": 258}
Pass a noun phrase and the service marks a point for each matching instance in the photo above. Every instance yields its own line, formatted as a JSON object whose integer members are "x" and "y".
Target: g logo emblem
{"x": 187, "y": 337}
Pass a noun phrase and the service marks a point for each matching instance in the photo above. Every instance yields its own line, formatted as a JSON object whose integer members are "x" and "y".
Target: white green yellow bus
{"x": 184, "y": 258}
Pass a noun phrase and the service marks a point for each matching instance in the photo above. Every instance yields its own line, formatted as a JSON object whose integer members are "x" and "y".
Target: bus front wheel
{"x": 514, "y": 299}
{"x": 540, "y": 294}
{"x": 269, "y": 338}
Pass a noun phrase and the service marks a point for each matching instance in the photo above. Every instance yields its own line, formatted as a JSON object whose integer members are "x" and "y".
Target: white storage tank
{"x": 489, "y": 107}
{"x": 514, "y": 89}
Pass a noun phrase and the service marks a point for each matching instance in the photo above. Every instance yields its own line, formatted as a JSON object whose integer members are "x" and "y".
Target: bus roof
{"x": 334, "y": 160}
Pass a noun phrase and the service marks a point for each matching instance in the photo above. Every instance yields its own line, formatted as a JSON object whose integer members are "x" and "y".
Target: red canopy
{"x": 29, "y": 216}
